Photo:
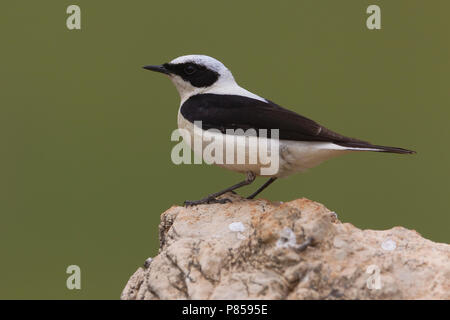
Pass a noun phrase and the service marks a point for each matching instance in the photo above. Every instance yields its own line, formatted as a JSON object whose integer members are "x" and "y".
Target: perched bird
{"x": 210, "y": 94}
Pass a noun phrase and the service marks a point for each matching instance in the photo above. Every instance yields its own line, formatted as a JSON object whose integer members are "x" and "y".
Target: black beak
{"x": 160, "y": 68}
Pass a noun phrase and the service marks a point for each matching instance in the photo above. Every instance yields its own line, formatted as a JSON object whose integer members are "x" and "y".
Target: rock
{"x": 256, "y": 249}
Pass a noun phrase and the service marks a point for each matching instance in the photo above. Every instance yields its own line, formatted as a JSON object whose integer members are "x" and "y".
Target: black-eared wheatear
{"x": 211, "y": 97}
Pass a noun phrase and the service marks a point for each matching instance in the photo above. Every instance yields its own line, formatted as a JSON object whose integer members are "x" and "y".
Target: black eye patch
{"x": 189, "y": 69}
{"x": 197, "y": 75}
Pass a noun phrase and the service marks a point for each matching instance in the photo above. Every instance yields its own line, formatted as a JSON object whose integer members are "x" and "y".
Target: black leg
{"x": 265, "y": 185}
{"x": 212, "y": 197}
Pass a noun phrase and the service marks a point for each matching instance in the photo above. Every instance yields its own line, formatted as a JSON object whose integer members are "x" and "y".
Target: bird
{"x": 209, "y": 94}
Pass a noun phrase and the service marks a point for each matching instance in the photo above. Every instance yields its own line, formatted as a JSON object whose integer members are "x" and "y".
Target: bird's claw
{"x": 188, "y": 203}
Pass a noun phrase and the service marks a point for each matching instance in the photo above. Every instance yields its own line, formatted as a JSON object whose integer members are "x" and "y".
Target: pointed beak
{"x": 159, "y": 68}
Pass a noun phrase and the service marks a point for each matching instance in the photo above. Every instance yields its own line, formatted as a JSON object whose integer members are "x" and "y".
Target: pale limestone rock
{"x": 256, "y": 249}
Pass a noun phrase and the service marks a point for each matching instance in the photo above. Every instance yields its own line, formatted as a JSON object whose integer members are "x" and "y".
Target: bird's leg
{"x": 212, "y": 197}
{"x": 265, "y": 185}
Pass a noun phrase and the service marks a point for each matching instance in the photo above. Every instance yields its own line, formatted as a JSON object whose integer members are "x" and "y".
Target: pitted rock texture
{"x": 256, "y": 249}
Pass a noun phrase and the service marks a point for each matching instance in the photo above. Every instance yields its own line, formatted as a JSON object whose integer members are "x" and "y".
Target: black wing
{"x": 238, "y": 112}
{"x": 224, "y": 112}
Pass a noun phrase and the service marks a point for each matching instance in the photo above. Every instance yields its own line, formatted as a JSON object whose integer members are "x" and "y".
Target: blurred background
{"x": 85, "y": 168}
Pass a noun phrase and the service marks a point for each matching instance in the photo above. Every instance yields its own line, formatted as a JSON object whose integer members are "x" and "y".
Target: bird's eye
{"x": 190, "y": 69}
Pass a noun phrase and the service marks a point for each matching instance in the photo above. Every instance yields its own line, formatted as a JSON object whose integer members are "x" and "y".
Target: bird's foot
{"x": 207, "y": 200}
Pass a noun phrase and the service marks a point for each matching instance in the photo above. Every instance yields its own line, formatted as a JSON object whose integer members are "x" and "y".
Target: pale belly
{"x": 262, "y": 156}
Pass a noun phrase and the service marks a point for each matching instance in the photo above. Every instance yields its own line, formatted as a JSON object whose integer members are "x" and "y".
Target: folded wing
{"x": 224, "y": 112}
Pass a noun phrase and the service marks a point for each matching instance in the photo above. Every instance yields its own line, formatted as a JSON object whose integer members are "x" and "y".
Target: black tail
{"x": 372, "y": 147}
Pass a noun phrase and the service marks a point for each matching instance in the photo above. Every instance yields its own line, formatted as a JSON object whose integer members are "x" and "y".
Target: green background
{"x": 85, "y": 166}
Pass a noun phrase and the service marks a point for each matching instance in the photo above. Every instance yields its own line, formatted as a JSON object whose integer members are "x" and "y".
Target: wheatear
{"x": 210, "y": 94}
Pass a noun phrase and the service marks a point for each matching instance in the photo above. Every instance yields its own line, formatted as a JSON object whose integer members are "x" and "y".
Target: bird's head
{"x": 196, "y": 74}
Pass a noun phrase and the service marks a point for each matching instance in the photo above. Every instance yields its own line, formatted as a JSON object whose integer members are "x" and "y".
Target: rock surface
{"x": 256, "y": 249}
